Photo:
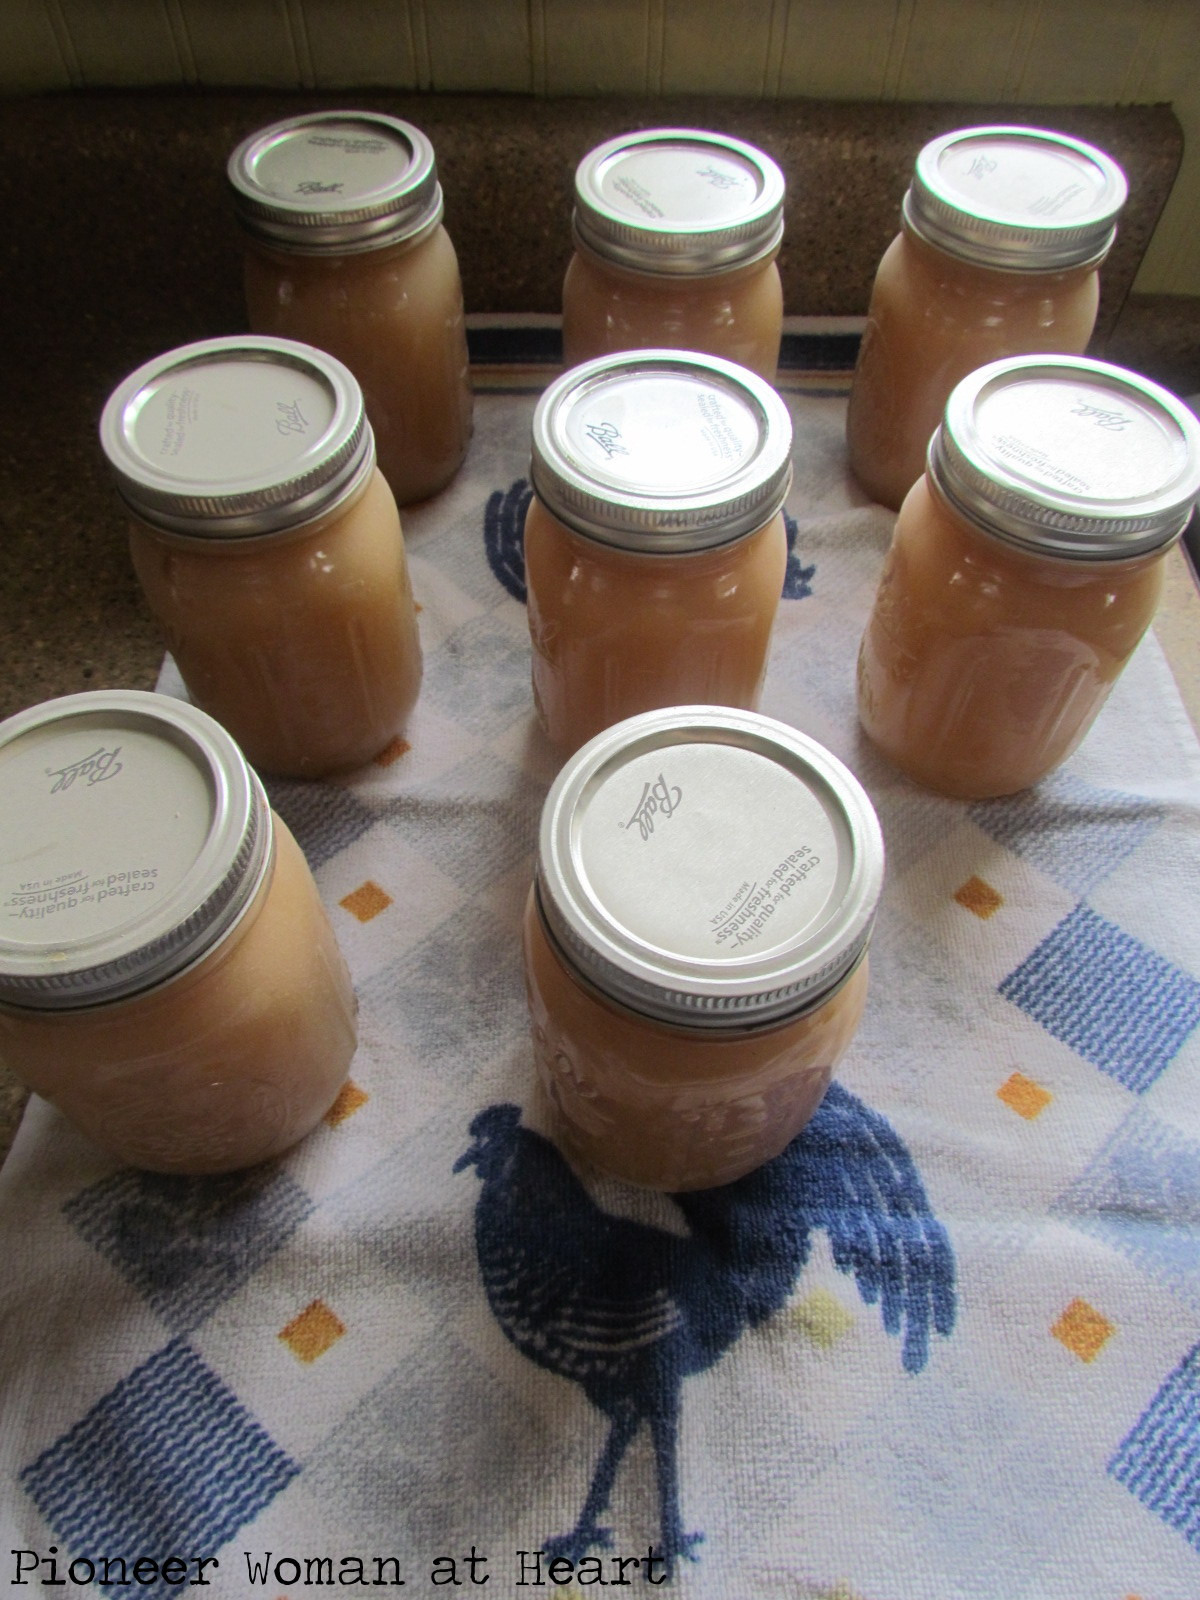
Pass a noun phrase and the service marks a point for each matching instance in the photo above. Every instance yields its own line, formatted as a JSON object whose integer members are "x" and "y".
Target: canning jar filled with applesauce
{"x": 695, "y": 942}
{"x": 268, "y": 546}
{"x": 1024, "y": 568}
{"x": 1003, "y": 232}
{"x": 655, "y": 547}
{"x": 676, "y": 236}
{"x": 168, "y": 976}
{"x": 346, "y": 250}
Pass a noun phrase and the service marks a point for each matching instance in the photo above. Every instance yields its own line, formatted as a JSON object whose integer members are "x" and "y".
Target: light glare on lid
{"x": 135, "y": 835}
{"x": 237, "y": 436}
{"x": 1069, "y": 456}
{"x": 709, "y": 866}
{"x": 336, "y": 182}
{"x": 1021, "y": 199}
{"x": 681, "y": 201}
{"x": 661, "y": 450}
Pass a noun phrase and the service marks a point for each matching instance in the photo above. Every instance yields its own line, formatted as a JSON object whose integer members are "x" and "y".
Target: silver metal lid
{"x": 709, "y": 866}
{"x": 336, "y": 182}
{"x": 1068, "y": 457}
{"x": 1019, "y": 199}
{"x": 661, "y": 451}
{"x": 678, "y": 200}
{"x": 238, "y": 436}
{"x": 134, "y": 837}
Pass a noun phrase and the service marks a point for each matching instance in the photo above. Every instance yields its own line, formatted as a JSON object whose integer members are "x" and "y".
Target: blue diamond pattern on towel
{"x": 1141, "y": 1195}
{"x": 479, "y": 675}
{"x": 324, "y": 819}
{"x": 472, "y": 845}
{"x": 1159, "y": 1460}
{"x": 1119, "y": 1004}
{"x": 1072, "y": 831}
{"x": 188, "y": 1244}
{"x": 169, "y": 1462}
{"x": 456, "y": 997}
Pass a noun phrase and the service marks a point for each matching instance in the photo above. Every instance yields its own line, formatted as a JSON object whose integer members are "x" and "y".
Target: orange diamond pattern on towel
{"x": 979, "y": 898}
{"x": 1083, "y": 1330}
{"x": 1022, "y": 1095}
{"x": 367, "y": 901}
{"x": 350, "y": 1099}
{"x": 391, "y": 753}
{"x": 316, "y": 1330}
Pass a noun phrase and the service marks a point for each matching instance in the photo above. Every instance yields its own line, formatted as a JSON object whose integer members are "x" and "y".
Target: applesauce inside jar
{"x": 676, "y": 233}
{"x": 346, "y": 250}
{"x": 269, "y": 548}
{"x": 655, "y": 548}
{"x": 1025, "y": 567}
{"x": 1003, "y": 232}
{"x": 695, "y": 942}
{"x": 168, "y": 976}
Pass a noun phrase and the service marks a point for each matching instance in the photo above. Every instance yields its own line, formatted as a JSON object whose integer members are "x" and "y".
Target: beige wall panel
{"x": 835, "y": 51}
{"x": 239, "y": 42}
{"x": 364, "y": 42}
{"x": 1087, "y": 51}
{"x": 121, "y": 41}
{"x": 947, "y": 50}
{"x": 1172, "y": 262}
{"x": 477, "y": 45}
{"x": 722, "y": 47}
{"x": 32, "y": 55}
{"x": 614, "y": 48}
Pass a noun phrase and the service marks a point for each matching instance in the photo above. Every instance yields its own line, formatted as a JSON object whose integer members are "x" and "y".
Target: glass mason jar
{"x": 168, "y": 977}
{"x": 346, "y": 250}
{"x": 1024, "y": 568}
{"x": 655, "y": 549}
{"x": 676, "y": 237}
{"x": 695, "y": 942}
{"x": 268, "y": 547}
{"x": 1003, "y": 232}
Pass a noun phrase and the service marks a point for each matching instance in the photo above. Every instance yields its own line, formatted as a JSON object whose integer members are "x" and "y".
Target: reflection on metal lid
{"x": 135, "y": 836}
{"x": 237, "y": 436}
{"x": 662, "y": 450}
{"x": 679, "y": 200}
{"x": 1068, "y": 456}
{"x": 336, "y": 181}
{"x": 1022, "y": 199}
{"x": 709, "y": 866}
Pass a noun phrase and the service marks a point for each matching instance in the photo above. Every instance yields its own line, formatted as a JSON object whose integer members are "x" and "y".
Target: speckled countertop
{"x": 120, "y": 244}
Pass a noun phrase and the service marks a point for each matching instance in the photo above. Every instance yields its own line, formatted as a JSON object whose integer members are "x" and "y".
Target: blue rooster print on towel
{"x": 504, "y": 544}
{"x": 628, "y": 1311}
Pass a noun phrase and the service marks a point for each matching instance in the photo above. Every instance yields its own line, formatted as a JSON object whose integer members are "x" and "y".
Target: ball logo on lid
{"x": 719, "y": 179}
{"x": 94, "y": 768}
{"x": 658, "y": 800}
{"x": 608, "y": 436}
{"x": 290, "y": 419}
{"x": 1102, "y": 416}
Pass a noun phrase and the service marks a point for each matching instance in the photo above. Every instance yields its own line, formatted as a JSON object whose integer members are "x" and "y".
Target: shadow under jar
{"x": 676, "y": 235}
{"x": 168, "y": 976}
{"x": 269, "y": 549}
{"x": 695, "y": 942}
{"x": 346, "y": 250}
{"x": 1024, "y": 568}
{"x": 1003, "y": 233}
{"x": 655, "y": 546}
